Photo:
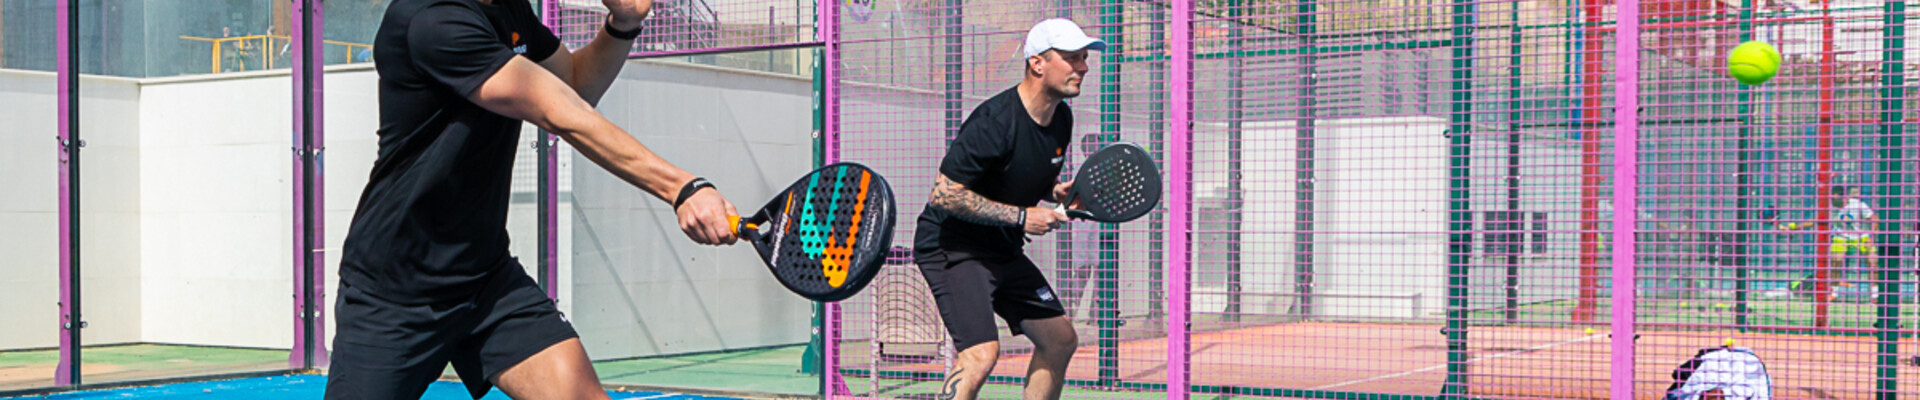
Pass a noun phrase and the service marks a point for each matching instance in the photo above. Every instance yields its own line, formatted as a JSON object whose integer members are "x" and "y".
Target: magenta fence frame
{"x": 309, "y": 188}
{"x": 309, "y": 350}
{"x": 1626, "y": 182}
{"x": 832, "y": 385}
{"x": 1179, "y": 161}
{"x": 67, "y": 91}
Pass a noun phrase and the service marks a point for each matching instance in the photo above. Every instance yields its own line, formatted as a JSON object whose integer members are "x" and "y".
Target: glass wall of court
{"x": 213, "y": 198}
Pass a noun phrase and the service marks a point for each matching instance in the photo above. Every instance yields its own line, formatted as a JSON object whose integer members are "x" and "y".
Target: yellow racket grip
{"x": 735, "y": 221}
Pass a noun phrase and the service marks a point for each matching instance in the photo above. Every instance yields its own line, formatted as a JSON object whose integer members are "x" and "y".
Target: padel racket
{"x": 827, "y": 235}
{"x": 1119, "y": 183}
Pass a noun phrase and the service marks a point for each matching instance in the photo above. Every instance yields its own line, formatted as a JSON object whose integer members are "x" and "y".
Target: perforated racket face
{"x": 1118, "y": 184}
{"x": 829, "y": 231}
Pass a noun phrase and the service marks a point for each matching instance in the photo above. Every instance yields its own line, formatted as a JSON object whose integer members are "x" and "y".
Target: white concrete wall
{"x": 216, "y": 211}
{"x": 110, "y": 223}
{"x": 29, "y": 276}
{"x": 1380, "y": 218}
{"x": 110, "y": 210}
{"x": 187, "y": 209}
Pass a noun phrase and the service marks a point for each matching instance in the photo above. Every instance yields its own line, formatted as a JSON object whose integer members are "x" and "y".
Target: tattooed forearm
{"x": 971, "y": 207}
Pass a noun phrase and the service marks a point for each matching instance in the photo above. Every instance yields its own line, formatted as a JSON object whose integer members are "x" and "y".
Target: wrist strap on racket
{"x": 692, "y": 187}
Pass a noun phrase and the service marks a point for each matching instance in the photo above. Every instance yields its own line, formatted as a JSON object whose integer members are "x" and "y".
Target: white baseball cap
{"x": 1062, "y": 34}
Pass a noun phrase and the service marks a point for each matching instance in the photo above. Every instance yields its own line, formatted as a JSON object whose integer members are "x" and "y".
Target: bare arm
{"x": 963, "y": 203}
{"x": 972, "y": 207}
{"x": 523, "y": 90}
{"x": 591, "y": 70}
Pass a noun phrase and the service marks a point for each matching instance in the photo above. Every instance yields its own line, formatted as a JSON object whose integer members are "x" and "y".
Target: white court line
{"x": 656, "y": 396}
{"x": 1491, "y": 357}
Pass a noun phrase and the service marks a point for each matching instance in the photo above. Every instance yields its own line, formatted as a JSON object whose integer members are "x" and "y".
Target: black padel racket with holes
{"x": 827, "y": 235}
{"x": 1119, "y": 183}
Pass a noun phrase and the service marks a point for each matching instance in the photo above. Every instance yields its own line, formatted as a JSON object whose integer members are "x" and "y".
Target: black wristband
{"x": 692, "y": 187}
{"x": 623, "y": 35}
{"x": 1022, "y": 222}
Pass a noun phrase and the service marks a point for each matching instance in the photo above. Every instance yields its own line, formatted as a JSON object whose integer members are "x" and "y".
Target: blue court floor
{"x": 302, "y": 387}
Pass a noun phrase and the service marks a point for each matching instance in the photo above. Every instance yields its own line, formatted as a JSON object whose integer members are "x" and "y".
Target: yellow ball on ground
{"x": 1589, "y": 331}
{"x": 1753, "y": 62}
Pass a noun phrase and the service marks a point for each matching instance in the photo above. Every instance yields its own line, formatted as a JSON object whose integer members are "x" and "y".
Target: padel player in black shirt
{"x": 425, "y": 277}
{"x": 1006, "y": 158}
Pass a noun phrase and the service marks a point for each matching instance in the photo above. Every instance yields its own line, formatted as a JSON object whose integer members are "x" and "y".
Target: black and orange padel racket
{"x": 827, "y": 235}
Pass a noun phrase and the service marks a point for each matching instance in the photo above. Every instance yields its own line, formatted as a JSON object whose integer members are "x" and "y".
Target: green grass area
{"x": 147, "y": 356}
{"x": 769, "y": 370}
{"x": 133, "y": 362}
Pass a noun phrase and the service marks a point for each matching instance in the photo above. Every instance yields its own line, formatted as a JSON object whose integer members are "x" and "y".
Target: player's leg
{"x": 1836, "y": 264}
{"x": 524, "y": 345}
{"x": 1054, "y": 342}
{"x": 1867, "y": 253}
{"x": 561, "y": 371}
{"x": 963, "y": 290}
{"x": 1030, "y": 307}
{"x": 970, "y": 369}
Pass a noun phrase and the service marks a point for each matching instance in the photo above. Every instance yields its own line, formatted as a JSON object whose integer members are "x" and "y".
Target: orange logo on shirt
{"x": 516, "y": 38}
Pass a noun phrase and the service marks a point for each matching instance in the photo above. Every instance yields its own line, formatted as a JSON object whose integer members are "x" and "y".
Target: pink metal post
{"x": 1180, "y": 185}
{"x": 826, "y": 26}
{"x": 309, "y": 210}
{"x": 67, "y": 57}
{"x": 1626, "y": 161}
{"x": 548, "y": 145}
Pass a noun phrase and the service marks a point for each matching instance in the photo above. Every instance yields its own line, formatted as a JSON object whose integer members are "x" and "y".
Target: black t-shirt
{"x": 1003, "y": 155}
{"x": 431, "y": 224}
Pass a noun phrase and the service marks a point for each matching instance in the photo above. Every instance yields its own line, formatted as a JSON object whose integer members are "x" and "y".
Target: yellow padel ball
{"x": 1753, "y": 63}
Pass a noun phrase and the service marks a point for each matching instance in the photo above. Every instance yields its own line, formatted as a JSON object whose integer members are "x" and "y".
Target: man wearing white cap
{"x": 1004, "y": 161}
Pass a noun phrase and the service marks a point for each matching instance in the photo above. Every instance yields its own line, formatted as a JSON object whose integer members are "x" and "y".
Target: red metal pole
{"x": 1590, "y": 167}
{"x": 1823, "y": 239}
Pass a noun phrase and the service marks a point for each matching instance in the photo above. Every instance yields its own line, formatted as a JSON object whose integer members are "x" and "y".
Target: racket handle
{"x": 742, "y": 229}
{"x": 1072, "y": 214}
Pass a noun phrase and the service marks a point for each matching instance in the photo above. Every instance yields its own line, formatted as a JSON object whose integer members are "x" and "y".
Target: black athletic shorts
{"x": 385, "y": 350}
{"x": 970, "y": 289}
